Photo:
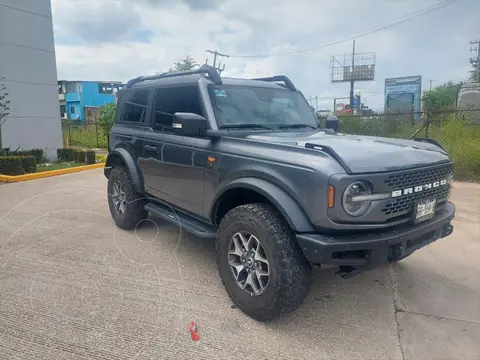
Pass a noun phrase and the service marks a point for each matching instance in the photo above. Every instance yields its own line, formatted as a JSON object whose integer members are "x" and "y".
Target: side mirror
{"x": 189, "y": 124}
{"x": 332, "y": 122}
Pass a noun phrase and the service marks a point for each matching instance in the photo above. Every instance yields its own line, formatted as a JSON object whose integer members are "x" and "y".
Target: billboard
{"x": 403, "y": 95}
{"x": 353, "y": 67}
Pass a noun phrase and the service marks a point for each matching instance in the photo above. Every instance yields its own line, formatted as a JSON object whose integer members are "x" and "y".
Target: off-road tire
{"x": 135, "y": 208}
{"x": 290, "y": 272}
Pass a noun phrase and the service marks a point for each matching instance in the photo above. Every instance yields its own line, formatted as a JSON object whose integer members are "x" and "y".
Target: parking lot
{"x": 72, "y": 285}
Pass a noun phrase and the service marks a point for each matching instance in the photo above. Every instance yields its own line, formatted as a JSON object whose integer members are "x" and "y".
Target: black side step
{"x": 187, "y": 223}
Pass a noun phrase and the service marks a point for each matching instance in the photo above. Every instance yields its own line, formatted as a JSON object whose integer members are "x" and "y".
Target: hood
{"x": 364, "y": 154}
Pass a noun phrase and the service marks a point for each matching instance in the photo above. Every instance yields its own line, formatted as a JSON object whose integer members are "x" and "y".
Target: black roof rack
{"x": 205, "y": 69}
{"x": 286, "y": 80}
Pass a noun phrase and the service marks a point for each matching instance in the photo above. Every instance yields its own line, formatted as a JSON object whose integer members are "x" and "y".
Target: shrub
{"x": 37, "y": 153}
{"x": 29, "y": 163}
{"x": 11, "y": 165}
{"x": 80, "y": 156}
{"x": 107, "y": 117}
{"x": 90, "y": 156}
{"x": 65, "y": 155}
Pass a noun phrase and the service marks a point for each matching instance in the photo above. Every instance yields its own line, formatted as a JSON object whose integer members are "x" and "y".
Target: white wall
{"x": 28, "y": 66}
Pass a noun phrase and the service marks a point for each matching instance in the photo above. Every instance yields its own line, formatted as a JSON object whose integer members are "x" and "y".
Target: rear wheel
{"x": 262, "y": 268}
{"x": 127, "y": 207}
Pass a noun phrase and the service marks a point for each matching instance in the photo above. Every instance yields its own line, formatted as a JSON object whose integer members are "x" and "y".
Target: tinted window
{"x": 170, "y": 101}
{"x": 135, "y": 108}
{"x": 274, "y": 108}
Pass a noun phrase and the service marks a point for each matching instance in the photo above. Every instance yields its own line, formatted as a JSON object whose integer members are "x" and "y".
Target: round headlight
{"x": 355, "y": 207}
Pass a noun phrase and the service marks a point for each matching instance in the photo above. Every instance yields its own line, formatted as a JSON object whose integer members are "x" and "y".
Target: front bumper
{"x": 365, "y": 250}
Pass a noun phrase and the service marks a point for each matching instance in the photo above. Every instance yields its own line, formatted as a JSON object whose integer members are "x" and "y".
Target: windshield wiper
{"x": 297, "y": 126}
{"x": 244, "y": 126}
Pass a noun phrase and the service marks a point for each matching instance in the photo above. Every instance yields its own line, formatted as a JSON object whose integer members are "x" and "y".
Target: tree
{"x": 474, "y": 74}
{"x": 4, "y": 104}
{"x": 107, "y": 117}
{"x": 4, "y": 108}
{"x": 441, "y": 97}
{"x": 185, "y": 64}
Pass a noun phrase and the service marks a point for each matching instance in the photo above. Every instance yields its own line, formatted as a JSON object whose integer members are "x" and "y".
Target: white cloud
{"x": 96, "y": 40}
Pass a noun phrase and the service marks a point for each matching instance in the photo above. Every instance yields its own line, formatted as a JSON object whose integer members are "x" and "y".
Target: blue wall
{"x": 90, "y": 95}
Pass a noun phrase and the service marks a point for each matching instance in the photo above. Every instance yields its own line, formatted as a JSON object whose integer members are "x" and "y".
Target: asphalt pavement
{"x": 73, "y": 286}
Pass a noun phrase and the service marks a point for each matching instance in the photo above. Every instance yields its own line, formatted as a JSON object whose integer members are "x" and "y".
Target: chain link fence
{"x": 457, "y": 130}
{"x": 86, "y": 135}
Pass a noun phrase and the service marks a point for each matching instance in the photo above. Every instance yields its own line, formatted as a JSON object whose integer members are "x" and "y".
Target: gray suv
{"x": 247, "y": 162}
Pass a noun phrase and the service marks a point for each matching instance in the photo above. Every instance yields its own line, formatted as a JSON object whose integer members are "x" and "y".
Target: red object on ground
{"x": 194, "y": 331}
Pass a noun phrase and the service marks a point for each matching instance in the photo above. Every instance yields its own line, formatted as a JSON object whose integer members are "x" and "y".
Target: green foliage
{"x": 90, "y": 157}
{"x": 29, "y": 163}
{"x": 4, "y": 108}
{"x": 4, "y": 103}
{"x": 474, "y": 73}
{"x": 459, "y": 136}
{"x": 37, "y": 153}
{"x": 11, "y": 165}
{"x": 65, "y": 155}
{"x": 83, "y": 135}
{"x": 79, "y": 155}
{"x": 107, "y": 117}
{"x": 441, "y": 97}
{"x": 183, "y": 65}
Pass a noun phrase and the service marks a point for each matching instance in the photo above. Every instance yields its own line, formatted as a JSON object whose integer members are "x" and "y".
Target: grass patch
{"x": 57, "y": 166}
{"x": 460, "y": 138}
{"x": 86, "y": 136}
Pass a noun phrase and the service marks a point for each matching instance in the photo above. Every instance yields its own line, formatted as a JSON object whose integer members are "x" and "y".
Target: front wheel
{"x": 261, "y": 265}
{"x": 127, "y": 207}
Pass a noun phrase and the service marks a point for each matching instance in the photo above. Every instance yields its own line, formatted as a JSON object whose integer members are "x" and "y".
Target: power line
{"x": 215, "y": 54}
{"x": 365, "y": 32}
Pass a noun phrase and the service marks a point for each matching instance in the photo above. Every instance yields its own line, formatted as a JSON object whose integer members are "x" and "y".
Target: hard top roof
{"x": 193, "y": 76}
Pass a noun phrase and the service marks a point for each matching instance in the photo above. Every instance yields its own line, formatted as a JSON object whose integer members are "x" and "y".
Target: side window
{"x": 170, "y": 101}
{"x": 135, "y": 106}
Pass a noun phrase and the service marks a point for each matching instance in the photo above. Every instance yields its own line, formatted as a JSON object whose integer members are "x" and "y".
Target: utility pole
{"x": 431, "y": 81}
{"x": 215, "y": 54}
{"x": 476, "y": 62}
{"x": 352, "y": 82}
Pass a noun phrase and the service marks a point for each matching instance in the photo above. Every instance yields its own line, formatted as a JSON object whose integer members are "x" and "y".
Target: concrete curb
{"x": 44, "y": 174}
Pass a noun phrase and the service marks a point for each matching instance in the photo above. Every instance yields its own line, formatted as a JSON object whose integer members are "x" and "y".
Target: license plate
{"x": 425, "y": 210}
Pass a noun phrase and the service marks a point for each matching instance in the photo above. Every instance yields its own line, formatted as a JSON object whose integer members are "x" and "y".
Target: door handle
{"x": 150, "y": 148}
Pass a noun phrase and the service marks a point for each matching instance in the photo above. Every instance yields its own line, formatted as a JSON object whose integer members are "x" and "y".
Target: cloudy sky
{"x": 121, "y": 39}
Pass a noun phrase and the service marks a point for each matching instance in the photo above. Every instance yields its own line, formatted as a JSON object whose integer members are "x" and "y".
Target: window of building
{"x": 170, "y": 101}
{"x": 135, "y": 106}
{"x": 72, "y": 109}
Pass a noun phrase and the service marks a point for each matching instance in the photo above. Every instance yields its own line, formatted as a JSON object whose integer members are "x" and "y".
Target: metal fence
{"x": 78, "y": 133}
{"x": 457, "y": 130}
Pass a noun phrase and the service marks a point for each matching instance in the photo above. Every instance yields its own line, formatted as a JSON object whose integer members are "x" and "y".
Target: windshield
{"x": 265, "y": 107}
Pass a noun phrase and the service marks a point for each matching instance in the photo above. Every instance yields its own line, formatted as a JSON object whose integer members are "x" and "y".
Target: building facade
{"x": 28, "y": 70}
{"x": 81, "y": 100}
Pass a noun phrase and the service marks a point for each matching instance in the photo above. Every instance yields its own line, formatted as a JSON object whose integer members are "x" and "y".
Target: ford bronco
{"x": 247, "y": 162}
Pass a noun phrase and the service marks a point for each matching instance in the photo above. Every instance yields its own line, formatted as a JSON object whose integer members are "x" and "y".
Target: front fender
{"x": 288, "y": 207}
{"x": 123, "y": 156}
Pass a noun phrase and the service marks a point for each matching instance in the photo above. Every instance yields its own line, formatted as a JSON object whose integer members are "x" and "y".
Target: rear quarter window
{"x": 134, "y": 106}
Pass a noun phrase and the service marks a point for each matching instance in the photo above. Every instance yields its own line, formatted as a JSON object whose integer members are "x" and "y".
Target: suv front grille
{"x": 419, "y": 177}
{"x": 404, "y": 204}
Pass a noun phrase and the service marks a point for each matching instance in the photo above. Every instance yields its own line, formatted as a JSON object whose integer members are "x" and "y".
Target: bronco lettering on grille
{"x": 416, "y": 189}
